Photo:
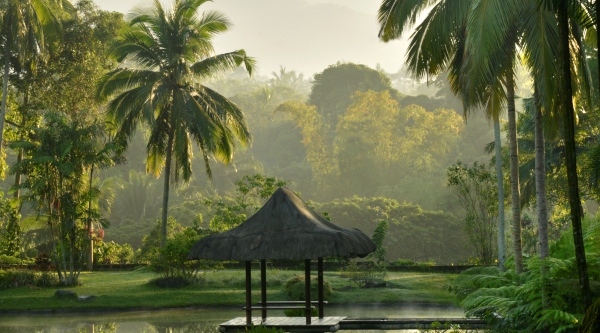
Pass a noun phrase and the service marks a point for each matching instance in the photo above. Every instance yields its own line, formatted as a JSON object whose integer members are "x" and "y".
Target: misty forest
{"x": 125, "y": 139}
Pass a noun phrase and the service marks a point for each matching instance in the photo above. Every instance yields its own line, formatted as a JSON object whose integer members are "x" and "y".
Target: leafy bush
{"x": 9, "y": 260}
{"x": 151, "y": 242}
{"x": 275, "y": 277}
{"x": 113, "y": 253}
{"x": 404, "y": 262}
{"x": 46, "y": 279}
{"x": 14, "y": 278}
{"x": 125, "y": 254}
{"x": 295, "y": 288}
{"x": 176, "y": 281}
{"x": 171, "y": 260}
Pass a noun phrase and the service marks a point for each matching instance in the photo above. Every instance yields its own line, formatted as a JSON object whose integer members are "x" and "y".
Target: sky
{"x": 302, "y": 35}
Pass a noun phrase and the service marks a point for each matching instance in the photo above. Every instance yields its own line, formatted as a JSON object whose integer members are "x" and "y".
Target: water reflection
{"x": 190, "y": 320}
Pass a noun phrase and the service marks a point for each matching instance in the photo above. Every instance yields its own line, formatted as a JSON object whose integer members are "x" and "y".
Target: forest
{"x": 121, "y": 137}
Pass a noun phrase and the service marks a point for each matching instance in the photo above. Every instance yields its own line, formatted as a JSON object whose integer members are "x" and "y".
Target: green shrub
{"x": 426, "y": 263}
{"x": 404, "y": 262}
{"x": 295, "y": 288}
{"x": 14, "y": 278}
{"x": 9, "y": 260}
{"x": 176, "y": 281}
{"x": 171, "y": 260}
{"x": 46, "y": 279}
{"x": 125, "y": 254}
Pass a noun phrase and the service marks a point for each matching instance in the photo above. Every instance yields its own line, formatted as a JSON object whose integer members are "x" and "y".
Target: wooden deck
{"x": 409, "y": 323}
{"x": 288, "y": 324}
{"x": 333, "y": 324}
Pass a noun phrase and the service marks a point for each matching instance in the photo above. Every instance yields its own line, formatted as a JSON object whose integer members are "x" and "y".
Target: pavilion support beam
{"x": 263, "y": 287}
{"x": 320, "y": 286}
{"x": 307, "y": 291}
{"x": 248, "y": 292}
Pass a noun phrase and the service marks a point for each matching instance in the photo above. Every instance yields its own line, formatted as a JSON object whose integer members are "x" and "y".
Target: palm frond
{"x": 223, "y": 62}
{"x": 394, "y": 16}
{"x": 440, "y": 28}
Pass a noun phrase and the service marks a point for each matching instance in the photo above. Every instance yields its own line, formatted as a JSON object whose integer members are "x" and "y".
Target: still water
{"x": 204, "y": 320}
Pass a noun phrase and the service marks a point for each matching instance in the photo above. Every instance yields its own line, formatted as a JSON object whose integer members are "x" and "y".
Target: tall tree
{"x": 57, "y": 168}
{"x": 27, "y": 25}
{"x": 568, "y": 113}
{"x": 164, "y": 55}
{"x": 438, "y": 44}
{"x": 500, "y": 185}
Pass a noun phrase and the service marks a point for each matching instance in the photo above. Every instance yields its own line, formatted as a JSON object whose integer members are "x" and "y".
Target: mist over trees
{"x": 359, "y": 143}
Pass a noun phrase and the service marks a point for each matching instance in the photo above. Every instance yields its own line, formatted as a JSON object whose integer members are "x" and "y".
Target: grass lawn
{"x": 131, "y": 289}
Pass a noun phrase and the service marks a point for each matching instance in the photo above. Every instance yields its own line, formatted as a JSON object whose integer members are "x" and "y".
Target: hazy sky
{"x": 302, "y": 35}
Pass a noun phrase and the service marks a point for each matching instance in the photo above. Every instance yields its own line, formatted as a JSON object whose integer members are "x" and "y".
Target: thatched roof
{"x": 284, "y": 228}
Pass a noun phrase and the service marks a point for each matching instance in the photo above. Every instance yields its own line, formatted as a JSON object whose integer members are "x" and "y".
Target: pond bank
{"x": 133, "y": 290}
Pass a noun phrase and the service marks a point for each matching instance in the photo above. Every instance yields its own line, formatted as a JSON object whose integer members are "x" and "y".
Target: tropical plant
{"x": 475, "y": 189}
{"x": 27, "y": 26}
{"x": 172, "y": 261}
{"x": 164, "y": 55}
{"x": 451, "y": 53}
{"x": 515, "y": 302}
{"x": 10, "y": 230}
{"x": 57, "y": 170}
{"x": 378, "y": 237}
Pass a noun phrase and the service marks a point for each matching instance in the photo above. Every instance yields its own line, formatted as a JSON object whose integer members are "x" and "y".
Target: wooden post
{"x": 248, "y": 292}
{"x": 307, "y": 290}
{"x": 263, "y": 287}
{"x": 320, "y": 286}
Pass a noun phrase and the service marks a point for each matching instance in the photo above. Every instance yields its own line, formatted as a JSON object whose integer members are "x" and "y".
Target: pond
{"x": 205, "y": 320}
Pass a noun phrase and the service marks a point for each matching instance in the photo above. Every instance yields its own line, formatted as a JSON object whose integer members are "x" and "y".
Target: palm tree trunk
{"x": 167, "y": 175}
{"x": 90, "y": 254}
{"x": 540, "y": 180}
{"x": 4, "y": 87}
{"x": 540, "y": 190}
{"x": 570, "y": 155}
{"x": 500, "y": 179}
{"x": 514, "y": 175}
{"x": 597, "y": 4}
{"x": 20, "y": 155}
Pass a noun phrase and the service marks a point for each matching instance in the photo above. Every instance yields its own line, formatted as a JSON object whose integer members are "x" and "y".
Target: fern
{"x": 545, "y": 298}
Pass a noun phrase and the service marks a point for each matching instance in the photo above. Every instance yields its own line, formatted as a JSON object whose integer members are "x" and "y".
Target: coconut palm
{"x": 568, "y": 113}
{"x": 545, "y": 34}
{"x": 445, "y": 27}
{"x": 163, "y": 56}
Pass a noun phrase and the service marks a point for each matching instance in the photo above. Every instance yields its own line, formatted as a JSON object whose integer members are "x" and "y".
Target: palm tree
{"x": 163, "y": 56}
{"x": 544, "y": 36}
{"x": 500, "y": 184}
{"x": 543, "y": 33}
{"x": 445, "y": 29}
{"x": 26, "y": 27}
{"x": 568, "y": 113}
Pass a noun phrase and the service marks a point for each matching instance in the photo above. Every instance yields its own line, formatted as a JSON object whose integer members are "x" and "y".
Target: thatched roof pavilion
{"x": 284, "y": 228}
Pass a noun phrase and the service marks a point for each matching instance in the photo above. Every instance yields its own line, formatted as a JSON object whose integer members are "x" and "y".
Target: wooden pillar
{"x": 320, "y": 286}
{"x": 263, "y": 287}
{"x": 248, "y": 292}
{"x": 307, "y": 290}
